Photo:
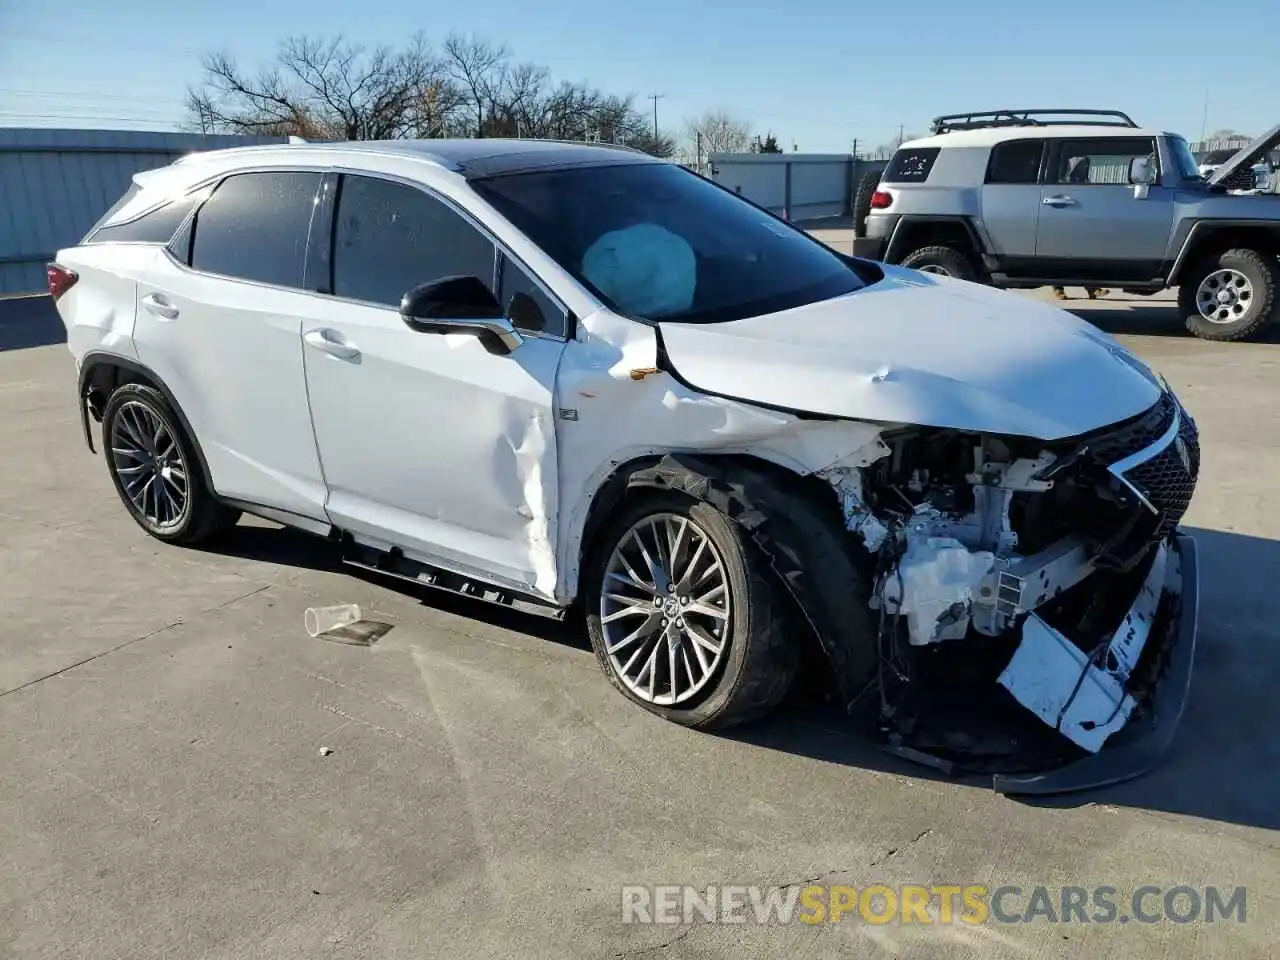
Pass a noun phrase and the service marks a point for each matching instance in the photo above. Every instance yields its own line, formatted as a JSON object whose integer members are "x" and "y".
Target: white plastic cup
{"x": 320, "y": 620}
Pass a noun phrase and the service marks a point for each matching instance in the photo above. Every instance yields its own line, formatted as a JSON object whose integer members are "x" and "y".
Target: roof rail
{"x": 1029, "y": 118}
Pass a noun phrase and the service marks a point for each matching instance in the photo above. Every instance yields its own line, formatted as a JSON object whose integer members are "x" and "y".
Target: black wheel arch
{"x": 913, "y": 232}
{"x": 808, "y": 548}
{"x": 1205, "y": 238}
{"x": 102, "y": 372}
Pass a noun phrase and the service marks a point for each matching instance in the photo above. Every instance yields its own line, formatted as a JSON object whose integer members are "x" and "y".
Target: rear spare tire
{"x": 862, "y": 201}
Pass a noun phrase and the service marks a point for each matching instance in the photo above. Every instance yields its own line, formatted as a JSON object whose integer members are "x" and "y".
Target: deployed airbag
{"x": 644, "y": 269}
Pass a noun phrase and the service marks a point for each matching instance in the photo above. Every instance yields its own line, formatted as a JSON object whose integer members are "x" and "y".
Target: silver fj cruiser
{"x": 1029, "y": 198}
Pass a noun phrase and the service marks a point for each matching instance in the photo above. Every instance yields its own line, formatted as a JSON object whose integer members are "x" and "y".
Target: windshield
{"x": 657, "y": 242}
{"x": 1188, "y": 169}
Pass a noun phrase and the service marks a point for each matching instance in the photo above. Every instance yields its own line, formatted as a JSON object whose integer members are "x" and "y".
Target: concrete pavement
{"x": 162, "y": 714}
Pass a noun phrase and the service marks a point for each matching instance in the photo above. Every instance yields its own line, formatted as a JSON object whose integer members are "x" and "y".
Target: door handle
{"x": 332, "y": 343}
{"x": 1058, "y": 200}
{"x": 155, "y": 303}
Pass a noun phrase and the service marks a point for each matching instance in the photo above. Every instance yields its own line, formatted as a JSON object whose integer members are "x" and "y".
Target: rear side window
{"x": 157, "y": 226}
{"x": 911, "y": 166}
{"x": 389, "y": 238}
{"x": 1015, "y": 161}
{"x": 255, "y": 226}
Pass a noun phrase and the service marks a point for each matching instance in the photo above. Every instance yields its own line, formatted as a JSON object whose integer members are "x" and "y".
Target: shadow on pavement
{"x": 30, "y": 322}
{"x": 293, "y": 548}
{"x": 1224, "y": 764}
{"x": 1159, "y": 319}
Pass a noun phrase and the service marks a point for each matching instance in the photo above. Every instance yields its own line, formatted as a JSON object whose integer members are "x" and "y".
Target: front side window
{"x": 657, "y": 242}
{"x": 389, "y": 238}
{"x": 255, "y": 226}
{"x": 1105, "y": 160}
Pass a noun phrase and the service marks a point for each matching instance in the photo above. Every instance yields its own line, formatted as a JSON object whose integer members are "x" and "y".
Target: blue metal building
{"x": 55, "y": 183}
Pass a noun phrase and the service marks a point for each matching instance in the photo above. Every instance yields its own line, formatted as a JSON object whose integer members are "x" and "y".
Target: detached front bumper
{"x": 1137, "y": 745}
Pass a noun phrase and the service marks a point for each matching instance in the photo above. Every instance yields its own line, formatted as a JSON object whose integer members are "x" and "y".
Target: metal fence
{"x": 796, "y": 186}
{"x": 55, "y": 183}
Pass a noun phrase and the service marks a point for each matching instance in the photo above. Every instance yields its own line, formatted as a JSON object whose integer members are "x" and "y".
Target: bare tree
{"x": 719, "y": 132}
{"x": 479, "y": 69}
{"x": 328, "y": 89}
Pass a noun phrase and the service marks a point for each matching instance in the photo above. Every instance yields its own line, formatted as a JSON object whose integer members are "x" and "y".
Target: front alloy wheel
{"x": 1230, "y": 296}
{"x": 685, "y": 616}
{"x": 665, "y": 610}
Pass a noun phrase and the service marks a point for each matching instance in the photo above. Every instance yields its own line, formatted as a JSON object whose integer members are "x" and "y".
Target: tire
{"x": 1260, "y": 279}
{"x": 758, "y": 655}
{"x": 182, "y": 509}
{"x": 946, "y": 261}
{"x": 862, "y": 201}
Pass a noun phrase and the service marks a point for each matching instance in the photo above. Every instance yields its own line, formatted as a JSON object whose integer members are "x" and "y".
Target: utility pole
{"x": 655, "y": 97}
{"x": 698, "y": 141}
{"x": 1204, "y": 117}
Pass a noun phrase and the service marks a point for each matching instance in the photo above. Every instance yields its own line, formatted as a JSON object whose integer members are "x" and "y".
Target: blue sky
{"x": 818, "y": 73}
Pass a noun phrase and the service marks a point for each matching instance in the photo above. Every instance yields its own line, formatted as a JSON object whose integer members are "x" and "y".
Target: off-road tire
{"x": 945, "y": 260}
{"x": 862, "y": 201}
{"x": 1264, "y": 276}
{"x": 757, "y": 668}
{"x": 204, "y": 517}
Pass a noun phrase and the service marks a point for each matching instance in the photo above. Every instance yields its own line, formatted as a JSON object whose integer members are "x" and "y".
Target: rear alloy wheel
{"x": 155, "y": 471}
{"x": 1230, "y": 296}
{"x": 684, "y": 617}
{"x": 942, "y": 261}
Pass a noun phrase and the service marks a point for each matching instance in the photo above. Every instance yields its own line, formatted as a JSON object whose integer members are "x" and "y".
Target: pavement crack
{"x": 894, "y": 851}
{"x": 128, "y": 643}
{"x": 657, "y": 947}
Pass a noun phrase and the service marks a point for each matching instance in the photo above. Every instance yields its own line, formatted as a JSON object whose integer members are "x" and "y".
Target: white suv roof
{"x": 990, "y": 136}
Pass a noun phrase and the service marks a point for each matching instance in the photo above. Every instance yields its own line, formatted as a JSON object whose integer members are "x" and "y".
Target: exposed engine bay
{"x": 1043, "y": 574}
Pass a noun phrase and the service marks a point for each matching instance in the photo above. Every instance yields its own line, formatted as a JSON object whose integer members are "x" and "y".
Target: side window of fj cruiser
{"x": 1015, "y": 161}
{"x": 1104, "y": 160}
{"x": 911, "y": 166}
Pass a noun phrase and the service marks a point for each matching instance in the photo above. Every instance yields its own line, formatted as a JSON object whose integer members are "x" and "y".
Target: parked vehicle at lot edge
{"x": 577, "y": 378}
{"x": 1029, "y": 198}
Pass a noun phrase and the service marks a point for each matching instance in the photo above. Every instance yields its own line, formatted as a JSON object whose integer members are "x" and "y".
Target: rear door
{"x": 1091, "y": 225}
{"x": 219, "y": 320}
{"x": 1011, "y": 202}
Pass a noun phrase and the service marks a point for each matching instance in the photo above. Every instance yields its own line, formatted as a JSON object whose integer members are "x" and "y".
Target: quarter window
{"x": 1105, "y": 160}
{"x": 389, "y": 238}
{"x": 254, "y": 227}
{"x": 1015, "y": 161}
{"x": 911, "y": 166}
{"x": 525, "y": 303}
{"x": 154, "y": 227}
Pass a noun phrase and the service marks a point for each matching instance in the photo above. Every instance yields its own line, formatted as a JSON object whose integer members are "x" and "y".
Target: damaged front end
{"x": 1036, "y": 603}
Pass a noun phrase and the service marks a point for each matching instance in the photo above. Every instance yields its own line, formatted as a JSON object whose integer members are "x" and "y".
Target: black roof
{"x": 476, "y": 159}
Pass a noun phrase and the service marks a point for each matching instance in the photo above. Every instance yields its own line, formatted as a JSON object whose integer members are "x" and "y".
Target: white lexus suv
{"x": 580, "y": 379}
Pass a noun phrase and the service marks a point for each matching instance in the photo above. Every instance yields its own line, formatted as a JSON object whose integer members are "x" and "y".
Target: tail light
{"x": 880, "y": 200}
{"x": 60, "y": 279}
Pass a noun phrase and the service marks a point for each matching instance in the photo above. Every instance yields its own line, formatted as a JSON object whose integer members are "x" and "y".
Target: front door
{"x": 1091, "y": 225}
{"x": 429, "y": 442}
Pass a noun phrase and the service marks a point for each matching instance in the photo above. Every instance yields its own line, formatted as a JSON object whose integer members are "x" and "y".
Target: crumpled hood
{"x": 922, "y": 349}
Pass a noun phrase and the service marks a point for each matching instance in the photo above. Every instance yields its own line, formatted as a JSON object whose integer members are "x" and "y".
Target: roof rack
{"x": 1029, "y": 118}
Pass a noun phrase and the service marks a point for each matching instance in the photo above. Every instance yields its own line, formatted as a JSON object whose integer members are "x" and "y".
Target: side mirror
{"x": 460, "y": 305}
